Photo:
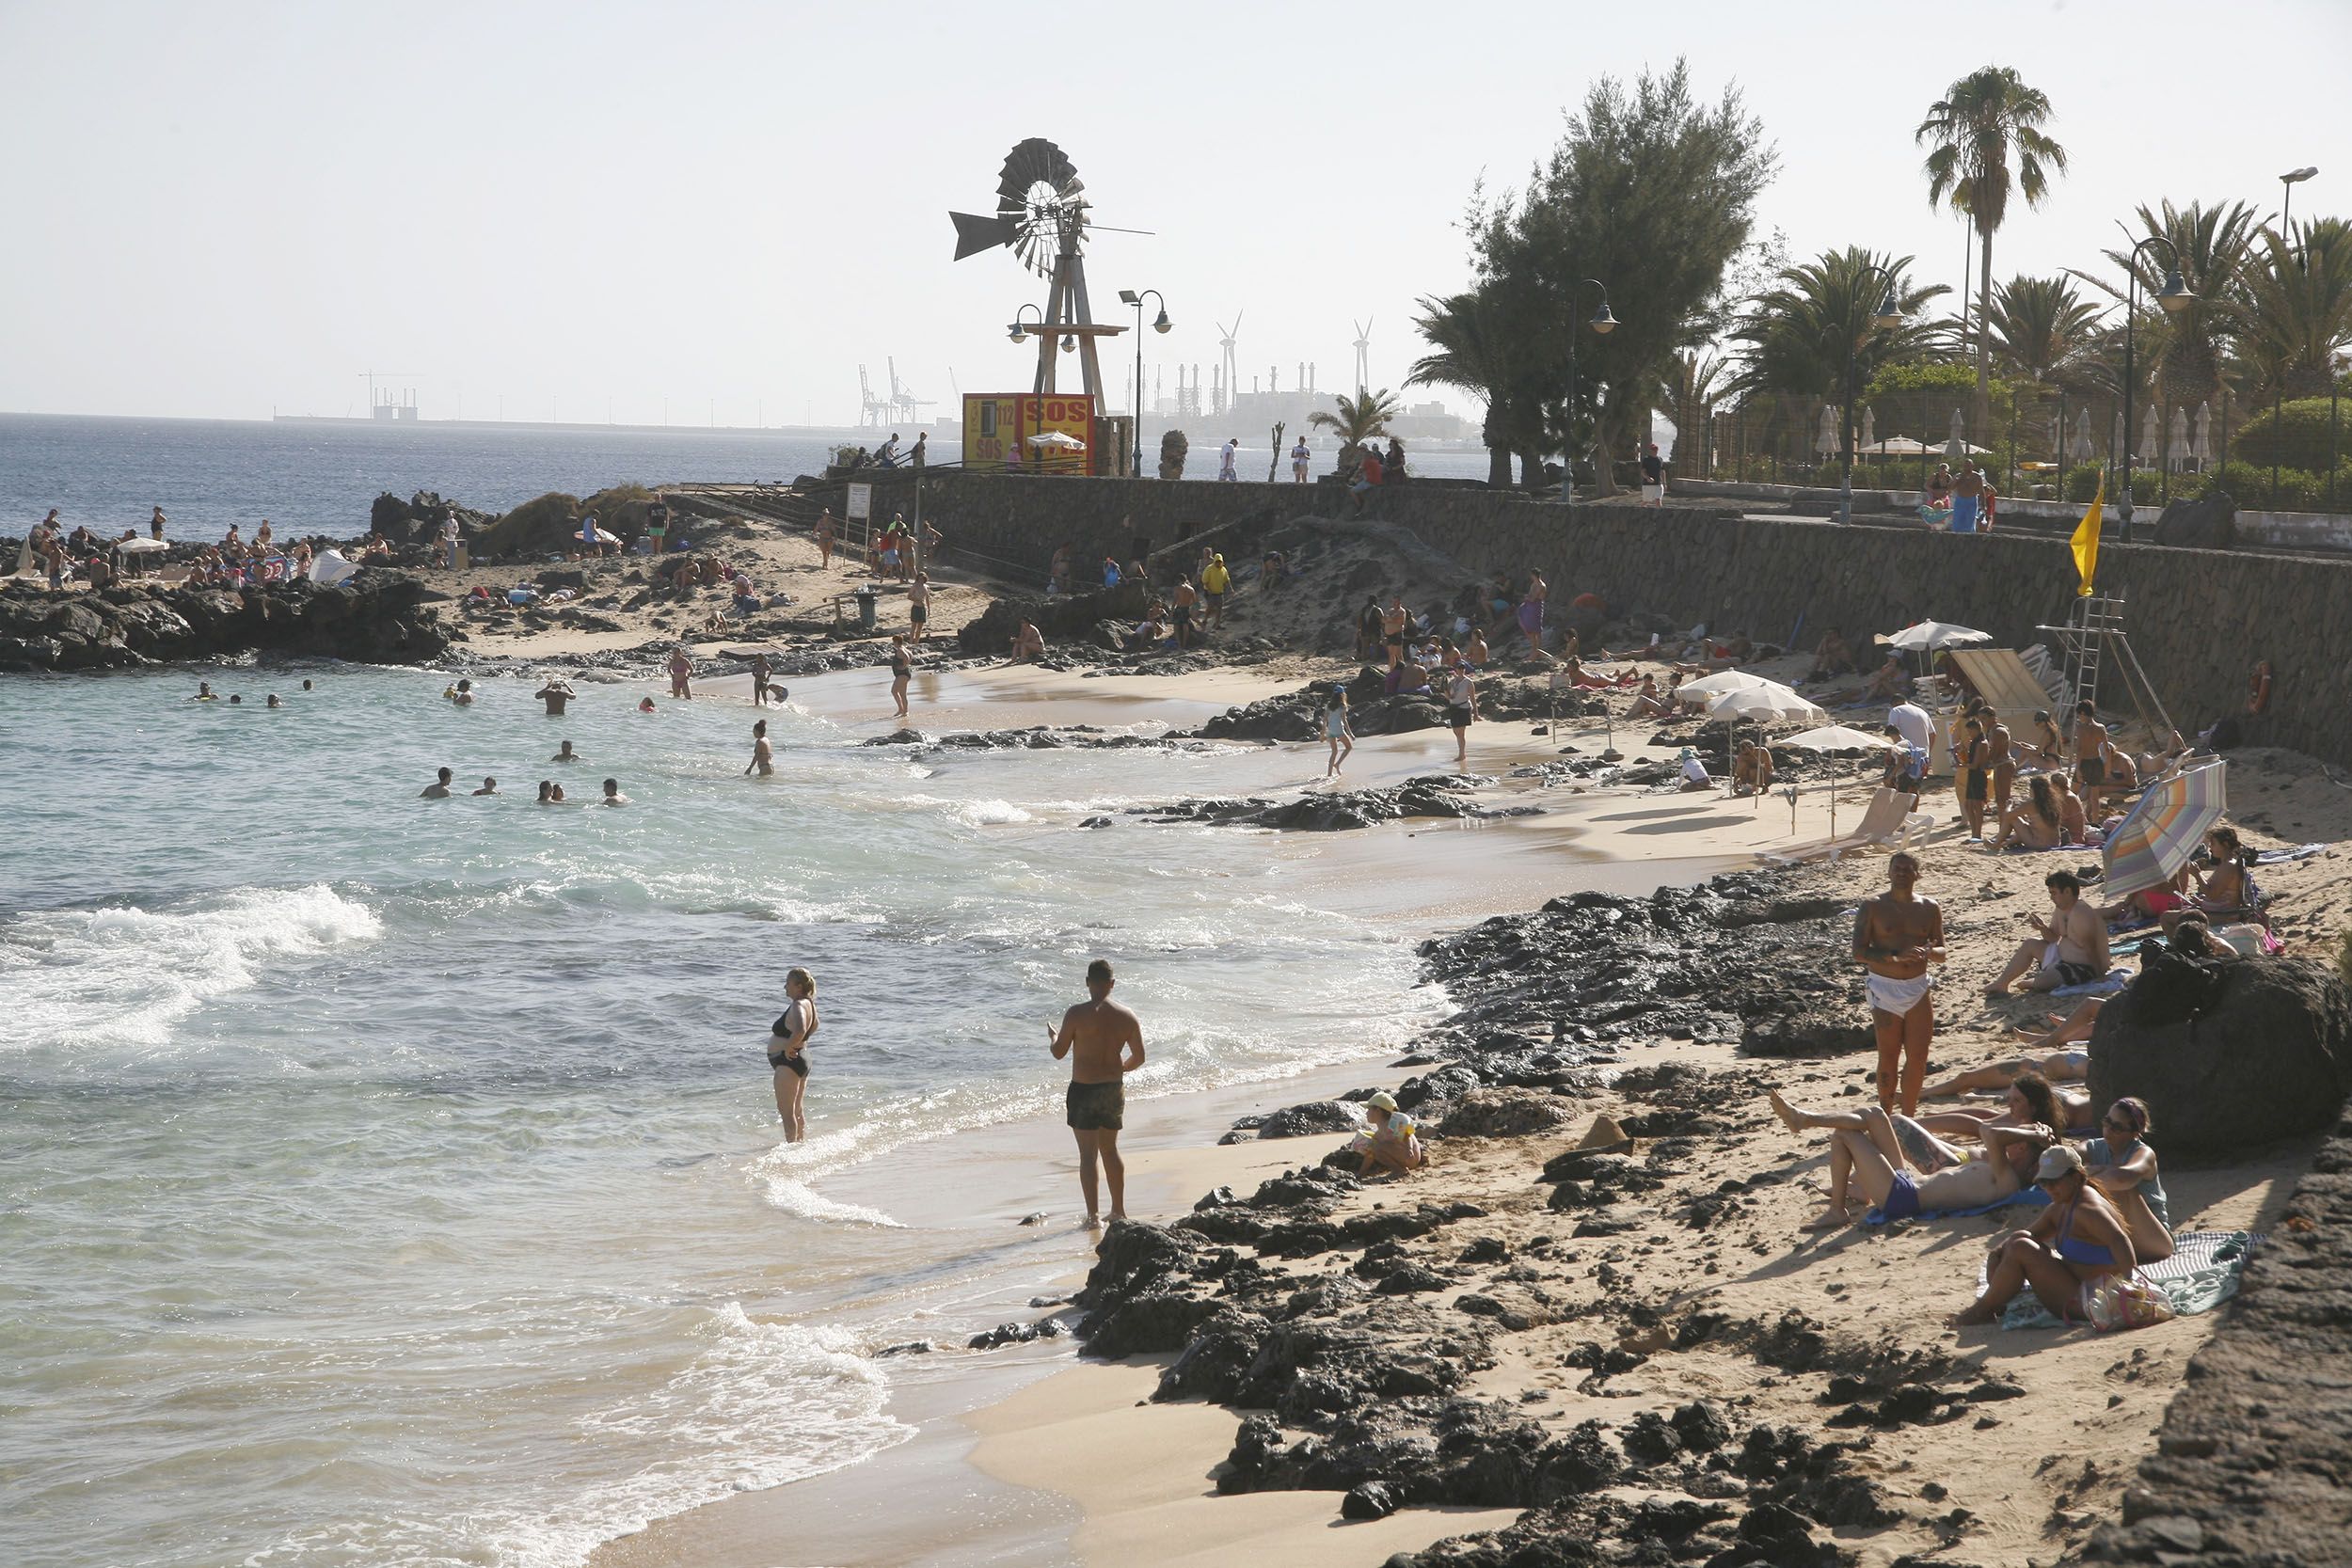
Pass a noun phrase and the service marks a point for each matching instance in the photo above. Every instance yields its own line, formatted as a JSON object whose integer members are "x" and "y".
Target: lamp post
{"x": 1129, "y": 296}
{"x": 1888, "y": 316}
{"x": 1019, "y": 332}
{"x": 2173, "y": 296}
{"x": 1602, "y": 323}
{"x": 2287, "y": 181}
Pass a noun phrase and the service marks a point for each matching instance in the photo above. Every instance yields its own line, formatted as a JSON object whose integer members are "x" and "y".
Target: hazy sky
{"x": 223, "y": 208}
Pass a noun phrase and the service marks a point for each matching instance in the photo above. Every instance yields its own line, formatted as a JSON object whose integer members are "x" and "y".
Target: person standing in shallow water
{"x": 763, "y": 757}
{"x": 1103, "y": 1042}
{"x": 788, "y": 1050}
{"x": 901, "y": 670}
{"x": 1896, "y": 937}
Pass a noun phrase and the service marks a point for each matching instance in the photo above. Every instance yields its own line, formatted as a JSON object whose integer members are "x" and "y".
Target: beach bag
{"x": 2114, "y": 1302}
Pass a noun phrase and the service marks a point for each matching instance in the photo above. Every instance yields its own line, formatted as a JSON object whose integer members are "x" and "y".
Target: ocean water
{"x": 322, "y": 478}
{"x": 394, "y": 1181}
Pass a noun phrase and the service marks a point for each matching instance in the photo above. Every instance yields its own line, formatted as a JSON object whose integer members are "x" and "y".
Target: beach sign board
{"x": 1001, "y": 428}
{"x": 861, "y": 503}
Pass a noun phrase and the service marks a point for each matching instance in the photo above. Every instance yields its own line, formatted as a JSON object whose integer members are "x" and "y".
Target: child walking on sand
{"x": 1335, "y": 730}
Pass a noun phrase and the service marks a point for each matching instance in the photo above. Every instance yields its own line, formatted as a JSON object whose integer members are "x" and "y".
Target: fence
{"x": 2044, "y": 442}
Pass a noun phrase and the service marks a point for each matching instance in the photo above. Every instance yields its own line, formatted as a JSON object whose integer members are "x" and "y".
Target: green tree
{"x": 2297, "y": 310}
{"x": 2042, "y": 328}
{"x": 2187, "y": 349}
{"x": 1988, "y": 122}
{"x": 1358, "y": 418}
{"x": 1695, "y": 379}
{"x": 1796, "y": 334}
{"x": 1475, "y": 351}
{"x": 1651, "y": 193}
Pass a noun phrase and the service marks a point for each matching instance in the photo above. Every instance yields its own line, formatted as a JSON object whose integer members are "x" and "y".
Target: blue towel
{"x": 2033, "y": 1196}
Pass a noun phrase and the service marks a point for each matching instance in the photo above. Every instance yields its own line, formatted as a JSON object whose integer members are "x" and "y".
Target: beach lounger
{"x": 1882, "y": 823}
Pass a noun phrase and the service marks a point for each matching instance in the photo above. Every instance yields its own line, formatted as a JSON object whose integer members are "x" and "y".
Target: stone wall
{"x": 2199, "y": 619}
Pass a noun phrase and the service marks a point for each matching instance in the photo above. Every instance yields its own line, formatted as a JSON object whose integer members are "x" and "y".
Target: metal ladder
{"x": 2097, "y": 623}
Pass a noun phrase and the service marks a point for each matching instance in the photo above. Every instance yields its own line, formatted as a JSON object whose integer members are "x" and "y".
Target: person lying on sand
{"x": 1888, "y": 684}
{"x": 1905, "y": 1169}
{"x": 2063, "y": 1030}
{"x": 2028, "y": 1100}
{"x": 1390, "y": 1142}
{"x": 2080, "y": 1239}
{"x": 1647, "y": 704}
{"x": 2052, "y": 1066}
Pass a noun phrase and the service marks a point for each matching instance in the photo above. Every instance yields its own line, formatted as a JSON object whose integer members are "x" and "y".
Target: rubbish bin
{"x": 462, "y": 555}
{"x": 866, "y": 610}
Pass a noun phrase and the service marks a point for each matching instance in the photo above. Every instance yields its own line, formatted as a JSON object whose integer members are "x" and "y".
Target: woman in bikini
{"x": 2079, "y": 1240}
{"x": 899, "y": 670}
{"x": 2033, "y": 822}
{"x": 788, "y": 1050}
{"x": 1905, "y": 1169}
{"x": 2044, "y": 746}
{"x": 2227, "y": 892}
{"x": 2028, "y": 1100}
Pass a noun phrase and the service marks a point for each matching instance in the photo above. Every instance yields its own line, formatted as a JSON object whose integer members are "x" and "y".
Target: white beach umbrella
{"x": 1836, "y": 738}
{"x": 1956, "y": 445}
{"x": 139, "y": 547}
{"x": 1825, "y": 441}
{"x": 328, "y": 567}
{"x": 2204, "y": 434}
{"x": 2082, "y": 437}
{"x": 1928, "y": 635}
{"x": 2176, "y": 440}
{"x": 1717, "y": 684}
{"x": 1763, "y": 700}
{"x": 1061, "y": 438}
{"x": 1870, "y": 424}
{"x": 2152, "y": 434}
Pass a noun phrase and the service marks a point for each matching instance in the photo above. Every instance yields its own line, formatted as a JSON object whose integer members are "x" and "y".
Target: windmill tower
{"x": 1363, "y": 354}
{"x": 1226, "y": 339}
{"x": 1042, "y": 218}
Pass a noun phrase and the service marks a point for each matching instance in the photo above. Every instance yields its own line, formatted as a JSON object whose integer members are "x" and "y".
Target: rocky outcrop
{"x": 1061, "y": 617}
{"x": 378, "y": 619}
{"x": 1434, "y": 795}
{"x": 2207, "y": 523}
{"x": 2268, "y": 1055}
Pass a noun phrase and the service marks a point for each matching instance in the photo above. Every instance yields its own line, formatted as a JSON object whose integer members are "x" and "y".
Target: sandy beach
{"x": 1028, "y": 1454}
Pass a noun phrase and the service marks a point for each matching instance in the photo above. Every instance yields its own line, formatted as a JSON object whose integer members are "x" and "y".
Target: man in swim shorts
{"x": 1896, "y": 937}
{"x": 1103, "y": 1042}
{"x": 2068, "y": 949}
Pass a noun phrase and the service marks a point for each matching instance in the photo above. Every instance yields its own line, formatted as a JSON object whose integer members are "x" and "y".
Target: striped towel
{"x": 2202, "y": 1273}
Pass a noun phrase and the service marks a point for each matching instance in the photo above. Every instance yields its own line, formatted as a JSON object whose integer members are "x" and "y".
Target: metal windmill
{"x": 1363, "y": 354}
{"x": 1042, "y": 218}
{"x": 1225, "y": 336}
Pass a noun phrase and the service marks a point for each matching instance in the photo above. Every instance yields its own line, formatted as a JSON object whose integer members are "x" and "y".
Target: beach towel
{"x": 2107, "y": 984}
{"x": 2202, "y": 1273}
{"x": 2276, "y": 857}
{"x": 2033, "y": 1196}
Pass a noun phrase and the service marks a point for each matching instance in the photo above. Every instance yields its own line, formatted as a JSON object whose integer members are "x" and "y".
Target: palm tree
{"x": 1797, "y": 334}
{"x": 2213, "y": 246}
{"x": 1987, "y": 121}
{"x": 1475, "y": 354}
{"x": 1688, "y": 390}
{"x": 1359, "y": 417}
{"x": 2041, "y": 328}
{"x": 2297, "y": 313}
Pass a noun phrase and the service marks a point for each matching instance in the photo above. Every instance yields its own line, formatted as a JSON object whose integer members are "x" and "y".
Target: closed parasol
{"x": 2152, "y": 844}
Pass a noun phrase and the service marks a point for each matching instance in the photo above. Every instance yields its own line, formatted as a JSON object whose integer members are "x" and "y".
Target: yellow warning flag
{"x": 2087, "y": 538}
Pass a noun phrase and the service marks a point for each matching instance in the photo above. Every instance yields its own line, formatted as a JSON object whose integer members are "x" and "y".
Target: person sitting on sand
{"x": 1474, "y": 651}
{"x": 436, "y": 790}
{"x": 2074, "y": 825}
{"x": 1410, "y": 678}
{"x": 1888, "y": 683}
{"x": 2032, "y": 823}
{"x": 1876, "y": 1151}
{"x": 2227, "y": 892}
{"x": 489, "y": 785}
{"x": 613, "y": 796}
{"x": 1752, "y": 769}
{"x": 1648, "y": 702}
{"x": 1028, "y": 643}
{"x": 566, "y": 754}
{"x": 1695, "y": 774}
{"x": 1390, "y": 1143}
{"x": 2121, "y": 1162}
{"x": 2080, "y": 1240}
{"x": 2068, "y": 949}
{"x": 2119, "y": 777}
{"x": 1831, "y": 657}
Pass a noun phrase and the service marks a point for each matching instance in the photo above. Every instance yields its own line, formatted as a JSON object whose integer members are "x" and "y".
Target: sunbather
{"x": 2066, "y": 1066}
{"x": 2125, "y": 1167}
{"x": 1831, "y": 657}
{"x": 2068, "y": 949}
{"x": 2227, "y": 892}
{"x": 1647, "y": 704}
{"x": 2033, "y": 822}
{"x": 2029, "y": 1101}
{"x": 2065, "y": 1028}
{"x": 1889, "y": 684}
{"x": 2076, "y": 1243}
{"x": 1388, "y": 1141}
{"x": 1876, "y": 1151}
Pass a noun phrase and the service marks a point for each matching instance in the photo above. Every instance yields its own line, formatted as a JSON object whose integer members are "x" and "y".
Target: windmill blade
{"x": 975, "y": 234}
{"x": 1032, "y": 163}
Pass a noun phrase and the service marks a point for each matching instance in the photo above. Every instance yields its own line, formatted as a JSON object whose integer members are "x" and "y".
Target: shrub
{"x": 2082, "y": 483}
{"x": 2248, "y": 484}
{"x": 2299, "y": 435}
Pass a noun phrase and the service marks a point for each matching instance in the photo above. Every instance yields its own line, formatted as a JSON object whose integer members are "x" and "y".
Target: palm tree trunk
{"x": 1984, "y": 337}
{"x": 1531, "y": 469}
{"x": 1498, "y": 452}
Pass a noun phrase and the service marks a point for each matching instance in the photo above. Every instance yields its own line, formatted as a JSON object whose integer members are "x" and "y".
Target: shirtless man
{"x": 2064, "y": 1065}
{"x": 1028, "y": 643}
{"x": 557, "y": 693}
{"x": 437, "y": 789}
{"x": 2068, "y": 949}
{"x": 567, "y": 754}
{"x": 761, "y": 670}
{"x": 919, "y": 604}
{"x": 2090, "y": 749}
{"x": 1905, "y": 1170}
{"x": 1186, "y": 598}
{"x": 489, "y": 787}
{"x": 1104, "y": 1042}
{"x": 613, "y": 796}
{"x": 763, "y": 759}
{"x": 1393, "y": 623}
{"x": 1896, "y": 937}
{"x": 2003, "y": 747}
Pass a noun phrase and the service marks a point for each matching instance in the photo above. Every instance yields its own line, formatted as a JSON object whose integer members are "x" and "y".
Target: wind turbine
{"x": 1226, "y": 341}
{"x": 1363, "y": 354}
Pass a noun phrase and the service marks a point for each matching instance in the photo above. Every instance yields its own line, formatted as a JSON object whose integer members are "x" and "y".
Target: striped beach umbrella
{"x": 2152, "y": 844}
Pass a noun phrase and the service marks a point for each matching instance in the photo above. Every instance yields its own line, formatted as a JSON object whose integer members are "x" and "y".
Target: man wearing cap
{"x": 1215, "y": 581}
{"x": 2080, "y": 1240}
{"x": 1103, "y": 1042}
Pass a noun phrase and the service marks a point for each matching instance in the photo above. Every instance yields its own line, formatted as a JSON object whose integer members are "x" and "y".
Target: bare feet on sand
{"x": 1974, "y": 1317}
{"x": 1835, "y": 1217}
{"x": 1788, "y": 1117}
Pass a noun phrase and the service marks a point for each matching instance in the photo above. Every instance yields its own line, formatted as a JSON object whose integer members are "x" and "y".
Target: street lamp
{"x": 2173, "y": 296}
{"x": 1603, "y": 324}
{"x": 2278, "y": 382}
{"x": 1019, "y": 330}
{"x": 1888, "y": 317}
{"x": 1159, "y": 323}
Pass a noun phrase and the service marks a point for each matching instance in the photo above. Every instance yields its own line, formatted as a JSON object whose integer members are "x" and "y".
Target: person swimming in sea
{"x": 461, "y": 694}
{"x": 437, "y": 789}
{"x": 613, "y": 796}
{"x": 489, "y": 787}
{"x": 567, "y": 754}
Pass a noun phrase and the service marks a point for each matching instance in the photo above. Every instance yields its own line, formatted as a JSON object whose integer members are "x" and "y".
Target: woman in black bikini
{"x": 788, "y": 1050}
{"x": 899, "y": 670}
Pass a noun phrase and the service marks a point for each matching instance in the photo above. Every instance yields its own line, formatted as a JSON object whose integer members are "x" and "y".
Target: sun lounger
{"x": 1882, "y": 823}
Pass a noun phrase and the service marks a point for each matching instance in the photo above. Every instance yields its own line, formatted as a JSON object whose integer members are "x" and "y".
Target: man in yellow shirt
{"x": 1215, "y": 581}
